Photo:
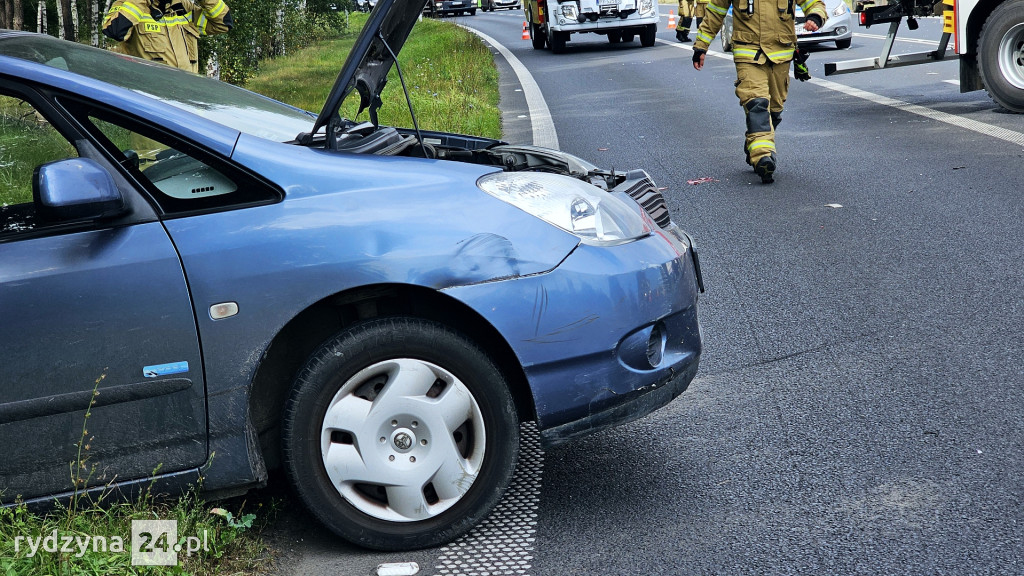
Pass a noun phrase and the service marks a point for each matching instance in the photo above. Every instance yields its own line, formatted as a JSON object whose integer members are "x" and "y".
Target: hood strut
{"x": 408, "y": 100}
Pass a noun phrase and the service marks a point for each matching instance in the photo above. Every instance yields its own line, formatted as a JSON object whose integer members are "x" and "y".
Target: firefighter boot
{"x": 765, "y": 167}
{"x": 683, "y": 31}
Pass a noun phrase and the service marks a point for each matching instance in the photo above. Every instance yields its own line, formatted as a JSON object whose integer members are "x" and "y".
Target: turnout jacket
{"x": 166, "y": 30}
{"x": 767, "y": 34}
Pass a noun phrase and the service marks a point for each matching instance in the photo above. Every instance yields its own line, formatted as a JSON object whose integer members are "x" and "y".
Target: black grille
{"x": 652, "y": 201}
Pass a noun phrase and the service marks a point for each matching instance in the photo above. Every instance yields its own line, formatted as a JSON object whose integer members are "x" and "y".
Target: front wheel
{"x": 1001, "y": 55}
{"x": 844, "y": 44}
{"x": 400, "y": 433}
{"x": 648, "y": 35}
{"x": 614, "y": 36}
{"x": 537, "y": 37}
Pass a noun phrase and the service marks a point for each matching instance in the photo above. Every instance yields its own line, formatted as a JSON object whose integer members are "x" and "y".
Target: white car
{"x": 838, "y": 28}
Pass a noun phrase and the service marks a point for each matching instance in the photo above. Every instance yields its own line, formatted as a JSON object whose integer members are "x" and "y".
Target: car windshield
{"x": 217, "y": 101}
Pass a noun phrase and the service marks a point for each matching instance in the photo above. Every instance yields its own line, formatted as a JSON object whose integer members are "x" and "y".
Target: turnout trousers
{"x": 688, "y": 10}
{"x": 762, "y": 89}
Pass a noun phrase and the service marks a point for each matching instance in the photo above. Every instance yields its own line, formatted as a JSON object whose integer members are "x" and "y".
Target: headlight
{"x": 570, "y": 11}
{"x": 594, "y": 215}
{"x": 840, "y": 10}
{"x": 646, "y": 7}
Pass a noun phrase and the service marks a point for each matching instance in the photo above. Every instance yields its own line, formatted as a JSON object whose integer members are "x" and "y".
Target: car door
{"x": 101, "y": 375}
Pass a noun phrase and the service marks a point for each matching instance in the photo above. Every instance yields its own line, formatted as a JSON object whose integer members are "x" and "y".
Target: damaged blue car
{"x": 229, "y": 284}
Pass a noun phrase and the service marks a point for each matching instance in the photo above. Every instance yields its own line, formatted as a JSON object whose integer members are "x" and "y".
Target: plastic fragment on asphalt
{"x": 703, "y": 180}
{"x": 833, "y": 205}
{"x": 602, "y": 149}
{"x": 398, "y": 569}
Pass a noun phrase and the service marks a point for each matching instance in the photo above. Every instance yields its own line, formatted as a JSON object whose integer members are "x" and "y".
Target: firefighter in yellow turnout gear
{"x": 690, "y": 12}
{"x": 764, "y": 42}
{"x": 166, "y": 31}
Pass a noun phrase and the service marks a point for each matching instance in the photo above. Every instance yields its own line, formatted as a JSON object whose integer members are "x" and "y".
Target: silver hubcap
{"x": 403, "y": 440}
{"x": 1011, "y": 56}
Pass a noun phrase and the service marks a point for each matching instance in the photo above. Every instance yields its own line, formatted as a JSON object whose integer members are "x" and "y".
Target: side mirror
{"x": 75, "y": 189}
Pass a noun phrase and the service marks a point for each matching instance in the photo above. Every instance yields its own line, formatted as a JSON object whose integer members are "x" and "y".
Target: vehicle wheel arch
{"x": 977, "y": 20}
{"x": 292, "y": 346}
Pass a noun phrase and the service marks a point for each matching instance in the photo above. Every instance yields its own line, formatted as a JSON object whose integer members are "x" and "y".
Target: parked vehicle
{"x": 552, "y": 23}
{"x": 838, "y": 28}
{"x": 492, "y": 5}
{"x": 450, "y": 7}
{"x": 987, "y": 36}
{"x": 227, "y": 283}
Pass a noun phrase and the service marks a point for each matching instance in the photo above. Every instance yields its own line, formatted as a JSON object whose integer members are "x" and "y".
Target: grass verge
{"x": 449, "y": 72}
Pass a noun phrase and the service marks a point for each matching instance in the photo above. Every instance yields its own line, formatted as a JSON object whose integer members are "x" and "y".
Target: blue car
{"x": 200, "y": 283}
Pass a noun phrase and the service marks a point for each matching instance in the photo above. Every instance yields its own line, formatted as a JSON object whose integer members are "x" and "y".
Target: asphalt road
{"x": 857, "y": 410}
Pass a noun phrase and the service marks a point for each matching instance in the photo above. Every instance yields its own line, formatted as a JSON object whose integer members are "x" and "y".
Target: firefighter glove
{"x": 800, "y": 71}
{"x": 816, "y": 19}
{"x": 697, "y": 53}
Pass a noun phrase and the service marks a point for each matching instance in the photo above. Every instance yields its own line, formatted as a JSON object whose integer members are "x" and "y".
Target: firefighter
{"x": 166, "y": 31}
{"x": 764, "y": 42}
{"x": 690, "y": 12}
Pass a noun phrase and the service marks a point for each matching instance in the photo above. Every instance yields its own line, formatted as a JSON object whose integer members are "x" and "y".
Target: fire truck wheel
{"x": 1001, "y": 55}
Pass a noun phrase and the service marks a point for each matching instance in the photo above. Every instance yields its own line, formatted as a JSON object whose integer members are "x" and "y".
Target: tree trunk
{"x": 60, "y": 18}
{"x": 74, "y": 20}
{"x": 41, "y": 17}
{"x": 95, "y": 21}
{"x": 67, "y": 20}
{"x": 18, "y": 22}
{"x": 5, "y": 14}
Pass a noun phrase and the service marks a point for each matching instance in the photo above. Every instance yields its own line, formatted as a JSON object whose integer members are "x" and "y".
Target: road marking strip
{"x": 544, "y": 133}
{"x": 951, "y": 119}
{"x": 503, "y": 542}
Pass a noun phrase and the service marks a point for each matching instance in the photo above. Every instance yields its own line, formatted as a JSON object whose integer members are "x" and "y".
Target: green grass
{"x": 225, "y": 544}
{"x": 25, "y": 142}
{"x": 450, "y": 74}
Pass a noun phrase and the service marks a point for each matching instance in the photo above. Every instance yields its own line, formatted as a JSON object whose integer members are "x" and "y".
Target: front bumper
{"x": 835, "y": 28}
{"x": 585, "y": 332}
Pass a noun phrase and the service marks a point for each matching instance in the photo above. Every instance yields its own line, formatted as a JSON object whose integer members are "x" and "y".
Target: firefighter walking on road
{"x": 166, "y": 31}
{"x": 690, "y": 12}
{"x": 764, "y": 43}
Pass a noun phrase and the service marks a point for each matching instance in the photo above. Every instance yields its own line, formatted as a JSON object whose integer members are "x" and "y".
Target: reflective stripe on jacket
{"x": 769, "y": 33}
{"x": 171, "y": 37}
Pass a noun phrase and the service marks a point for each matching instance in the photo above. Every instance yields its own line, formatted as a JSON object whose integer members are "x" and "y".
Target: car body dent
{"x": 581, "y": 313}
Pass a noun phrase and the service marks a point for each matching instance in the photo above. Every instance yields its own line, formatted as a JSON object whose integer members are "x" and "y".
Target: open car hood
{"x": 367, "y": 66}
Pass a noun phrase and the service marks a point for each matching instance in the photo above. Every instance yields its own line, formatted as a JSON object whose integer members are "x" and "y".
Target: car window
{"x": 181, "y": 179}
{"x": 27, "y": 141}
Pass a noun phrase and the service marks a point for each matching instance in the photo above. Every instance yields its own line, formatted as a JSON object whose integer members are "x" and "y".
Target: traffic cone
{"x": 526, "y": 31}
{"x": 671, "y": 19}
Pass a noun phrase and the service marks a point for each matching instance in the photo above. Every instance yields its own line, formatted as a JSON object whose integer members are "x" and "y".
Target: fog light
{"x": 656, "y": 345}
{"x": 841, "y": 30}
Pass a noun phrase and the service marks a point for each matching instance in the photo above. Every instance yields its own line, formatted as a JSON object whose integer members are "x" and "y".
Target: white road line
{"x": 951, "y": 119}
{"x": 953, "y": 82}
{"x": 544, "y": 133}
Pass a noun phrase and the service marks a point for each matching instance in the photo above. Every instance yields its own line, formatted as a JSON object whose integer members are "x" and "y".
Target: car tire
{"x": 400, "y": 433}
{"x": 538, "y": 38}
{"x": 844, "y": 43}
{"x": 472, "y": 12}
{"x": 647, "y": 35}
{"x": 1002, "y": 71}
{"x": 614, "y": 37}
